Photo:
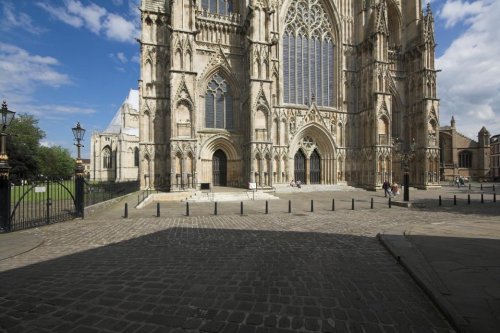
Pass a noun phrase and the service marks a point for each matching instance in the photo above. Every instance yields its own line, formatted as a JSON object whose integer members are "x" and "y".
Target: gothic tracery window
{"x": 106, "y": 158}
{"x": 218, "y": 104}
{"x": 308, "y": 54}
{"x": 221, "y": 7}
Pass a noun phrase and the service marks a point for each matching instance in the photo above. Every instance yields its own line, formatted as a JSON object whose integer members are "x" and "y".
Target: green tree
{"x": 22, "y": 146}
{"x": 55, "y": 162}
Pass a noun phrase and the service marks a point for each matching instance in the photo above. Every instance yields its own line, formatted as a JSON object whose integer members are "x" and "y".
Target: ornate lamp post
{"x": 405, "y": 154}
{"x": 6, "y": 117}
{"x": 78, "y": 133}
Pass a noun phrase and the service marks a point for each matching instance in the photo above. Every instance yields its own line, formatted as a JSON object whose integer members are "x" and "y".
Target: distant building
{"x": 495, "y": 157}
{"x": 115, "y": 151}
{"x": 462, "y": 156}
{"x": 86, "y": 164}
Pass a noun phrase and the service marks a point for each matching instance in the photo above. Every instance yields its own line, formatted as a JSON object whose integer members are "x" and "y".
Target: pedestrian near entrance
{"x": 386, "y": 186}
{"x": 395, "y": 189}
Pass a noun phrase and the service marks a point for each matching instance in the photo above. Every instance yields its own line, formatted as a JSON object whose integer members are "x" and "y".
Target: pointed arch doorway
{"x": 219, "y": 168}
{"x": 300, "y": 166}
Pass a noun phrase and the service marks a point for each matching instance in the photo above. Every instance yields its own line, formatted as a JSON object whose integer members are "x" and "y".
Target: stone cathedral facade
{"x": 234, "y": 92}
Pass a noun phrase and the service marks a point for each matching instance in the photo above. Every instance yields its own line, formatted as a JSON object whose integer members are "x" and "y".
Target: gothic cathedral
{"x": 234, "y": 92}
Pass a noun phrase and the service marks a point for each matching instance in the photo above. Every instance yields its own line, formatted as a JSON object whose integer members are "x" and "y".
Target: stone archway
{"x": 319, "y": 149}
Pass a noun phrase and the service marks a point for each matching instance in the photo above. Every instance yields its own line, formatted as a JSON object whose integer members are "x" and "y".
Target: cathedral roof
{"x": 131, "y": 104}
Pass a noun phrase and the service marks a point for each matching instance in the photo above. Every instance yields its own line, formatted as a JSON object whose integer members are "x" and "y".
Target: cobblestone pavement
{"x": 277, "y": 272}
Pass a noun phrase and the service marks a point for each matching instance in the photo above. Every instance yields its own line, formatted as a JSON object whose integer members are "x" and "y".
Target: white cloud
{"x": 92, "y": 14}
{"x": 13, "y": 18}
{"x": 62, "y": 15}
{"x": 455, "y": 11}
{"x": 120, "y": 29}
{"x": 469, "y": 84}
{"x": 96, "y": 19}
{"x": 21, "y": 71}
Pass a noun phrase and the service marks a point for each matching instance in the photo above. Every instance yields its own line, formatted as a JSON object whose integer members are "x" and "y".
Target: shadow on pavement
{"x": 459, "y": 274}
{"x": 212, "y": 280}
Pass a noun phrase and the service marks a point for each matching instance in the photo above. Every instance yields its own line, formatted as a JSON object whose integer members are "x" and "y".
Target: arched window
{"x": 218, "y": 104}
{"x": 106, "y": 158}
{"x": 465, "y": 159}
{"x": 308, "y": 52}
{"x": 136, "y": 157}
{"x": 221, "y": 7}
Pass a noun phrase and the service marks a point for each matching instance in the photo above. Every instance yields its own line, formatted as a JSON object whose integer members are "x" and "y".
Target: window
{"x": 308, "y": 55}
{"x": 136, "y": 157}
{"x": 465, "y": 159}
{"x": 222, "y": 7}
{"x": 106, "y": 158}
{"x": 218, "y": 104}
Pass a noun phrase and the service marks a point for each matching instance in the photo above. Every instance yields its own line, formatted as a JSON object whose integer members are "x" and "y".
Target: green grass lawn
{"x": 42, "y": 191}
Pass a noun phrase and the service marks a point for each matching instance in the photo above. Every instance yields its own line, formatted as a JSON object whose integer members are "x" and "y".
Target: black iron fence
{"x": 32, "y": 203}
{"x": 100, "y": 192}
{"x": 39, "y": 202}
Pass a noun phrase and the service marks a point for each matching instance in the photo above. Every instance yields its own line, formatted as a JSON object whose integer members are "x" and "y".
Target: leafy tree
{"x": 55, "y": 162}
{"x": 22, "y": 146}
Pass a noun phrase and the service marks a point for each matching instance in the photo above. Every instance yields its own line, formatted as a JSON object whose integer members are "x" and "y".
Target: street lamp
{"x": 405, "y": 154}
{"x": 78, "y": 133}
{"x": 6, "y": 117}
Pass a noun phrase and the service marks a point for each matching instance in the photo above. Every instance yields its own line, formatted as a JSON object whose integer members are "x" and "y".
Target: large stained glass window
{"x": 222, "y": 7}
{"x": 218, "y": 104}
{"x": 308, "y": 55}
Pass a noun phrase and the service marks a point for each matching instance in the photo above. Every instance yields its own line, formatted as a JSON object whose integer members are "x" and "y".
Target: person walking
{"x": 395, "y": 189}
{"x": 386, "y": 186}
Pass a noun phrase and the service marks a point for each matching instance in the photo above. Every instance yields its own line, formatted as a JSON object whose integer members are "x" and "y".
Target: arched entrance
{"x": 300, "y": 166}
{"x": 219, "y": 168}
{"x": 315, "y": 168}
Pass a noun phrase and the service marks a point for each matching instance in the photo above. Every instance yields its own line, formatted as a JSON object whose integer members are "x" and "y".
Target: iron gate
{"x": 42, "y": 202}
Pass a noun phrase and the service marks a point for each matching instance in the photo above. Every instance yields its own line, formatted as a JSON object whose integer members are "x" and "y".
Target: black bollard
{"x": 187, "y": 208}
{"x": 333, "y": 205}
{"x": 289, "y": 206}
{"x": 468, "y": 199}
{"x": 138, "y": 198}
{"x": 371, "y": 203}
{"x": 157, "y": 209}
{"x": 389, "y": 202}
{"x": 312, "y": 206}
{"x": 125, "y": 215}
{"x": 482, "y": 198}
{"x": 454, "y": 200}
{"x": 267, "y": 207}
{"x": 352, "y": 204}
{"x": 481, "y": 186}
{"x": 440, "y": 202}
{"x": 241, "y": 208}
{"x": 215, "y": 208}
{"x": 493, "y": 187}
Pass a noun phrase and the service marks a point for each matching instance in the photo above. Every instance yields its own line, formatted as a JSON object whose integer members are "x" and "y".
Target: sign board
{"x": 40, "y": 189}
{"x": 252, "y": 186}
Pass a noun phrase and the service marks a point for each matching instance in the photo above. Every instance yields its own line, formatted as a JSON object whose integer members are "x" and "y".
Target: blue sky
{"x": 75, "y": 60}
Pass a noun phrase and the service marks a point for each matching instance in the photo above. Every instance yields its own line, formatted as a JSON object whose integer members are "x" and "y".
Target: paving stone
{"x": 274, "y": 273}
{"x": 254, "y": 319}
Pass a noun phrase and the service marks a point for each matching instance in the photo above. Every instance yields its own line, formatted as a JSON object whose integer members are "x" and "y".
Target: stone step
{"x": 286, "y": 188}
{"x": 230, "y": 196}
